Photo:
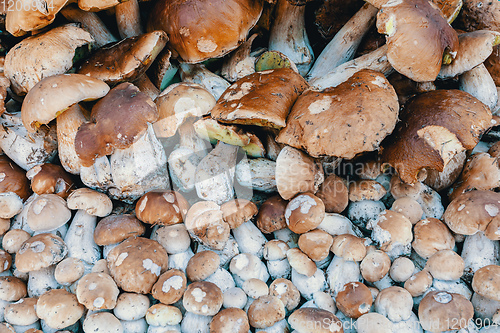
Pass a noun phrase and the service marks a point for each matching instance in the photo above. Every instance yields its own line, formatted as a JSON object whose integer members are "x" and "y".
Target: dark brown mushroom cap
{"x": 326, "y": 322}
{"x": 417, "y": 36}
{"x": 136, "y": 263}
{"x": 442, "y": 311}
{"x": 332, "y": 15}
{"x": 40, "y": 251}
{"x": 238, "y": 211}
{"x": 161, "y": 207}
{"x": 50, "y": 178}
{"x": 472, "y": 211}
{"x": 125, "y": 60}
{"x": 363, "y": 111}
{"x": 262, "y": 99}
{"x": 434, "y": 127}
{"x": 200, "y": 30}
{"x": 230, "y": 320}
{"x": 271, "y": 216}
{"x": 477, "y": 14}
{"x": 334, "y": 194}
{"x": 117, "y": 121}
{"x": 116, "y": 228}
{"x": 13, "y": 178}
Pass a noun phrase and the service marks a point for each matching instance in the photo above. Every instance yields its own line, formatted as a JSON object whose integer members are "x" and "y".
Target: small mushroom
{"x": 202, "y": 298}
{"x": 230, "y": 320}
{"x": 205, "y": 222}
{"x": 300, "y": 320}
{"x": 161, "y": 208}
{"x": 304, "y": 213}
{"x": 486, "y": 282}
{"x": 170, "y": 286}
{"x": 59, "y": 308}
{"x": 97, "y": 291}
{"x": 430, "y": 236}
{"x": 266, "y": 311}
{"x": 50, "y": 178}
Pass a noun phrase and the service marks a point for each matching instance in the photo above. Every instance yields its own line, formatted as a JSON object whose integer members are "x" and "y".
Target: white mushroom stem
{"x": 453, "y": 286}
{"x": 98, "y": 175}
{"x": 168, "y": 328}
{"x": 307, "y": 286}
{"x": 226, "y": 254}
{"x": 479, "y": 251}
{"x": 24, "y": 328}
{"x": 90, "y": 22}
{"x": 340, "y": 272}
{"x": 80, "y": 239}
{"x": 258, "y": 174}
{"x": 197, "y": 73}
{"x": 136, "y": 326}
{"x": 20, "y": 220}
{"x": 240, "y": 63}
{"x": 375, "y": 60}
{"x": 67, "y": 126}
{"x": 222, "y": 279}
{"x": 288, "y": 35}
{"x": 128, "y": 19}
{"x": 479, "y": 83}
{"x": 484, "y": 308}
{"x": 279, "y": 269}
{"x": 41, "y": 281}
{"x": 250, "y": 239}
{"x": 193, "y": 323}
{"x": 180, "y": 260}
{"x": 345, "y": 43}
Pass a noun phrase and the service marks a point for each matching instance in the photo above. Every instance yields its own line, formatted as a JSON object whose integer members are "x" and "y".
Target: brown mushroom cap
{"x": 477, "y": 14}
{"x": 390, "y": 230}
{"x": 170, "y": 286}
{"x": 238, "y": 211}
{"x": 92, "y": 202}
{"x": 59, "y": 308}
{"x": 334, "y": 194}
{"x": 12, "y": 289}
{"x": 230, "y": 320}
{"x": 366, "y": 100}
{"x": 69, "y": 270}
{"x": 116, "y": 122}
{"x": 354, "y": 300}
{"x": 136, "y": 264}
{"x": 316, "y": 244}
{"x": 47, "y": 212}
{"x": 349, "y": 247}
{"x": 275, "y": 250}
{"x": 31, "y": 16}
{"x": 366, "y": 189}
{"x": 375, "y": 266}
{"x": 417, "y": 36}
{"x": 203, "y": 298}
{"x": 442, "y": 311}
{"x": 5, "y": 261}
{"x": 54, "y": 94}
{"x": 299, "y": 261}
{"x": 253, "y": 100}
{"x": 161, "y": 207}
{"x": 199, "y": 30}
{"x": 409, "y": 207}
{"x": 97, "y": 291}
{"x": 286, "y": 291}
{"x": 14, "y": 239}
{"x": 304, "y": 213}
{"x": 430, "y": 236}
{"x": 125, "y": 60}
{"x": 205, "y": 222}
{"x": 271, "y": 216}
{"x": 434, "y": 127}
{"x": 473, "y": 211}
{"x": 418, "y": 283}
{"x": 202, "y": 265}
{"x": 116, "y": 228}
{"x": 13, "y": 178}
{"x": 40, "y": 251}
{"x": 326, "y": 322}
{"x": 486, "y": 282}
{"x": 50, "y": 178}
{"x": 445, "y": 265}
{"x": 266, "y": 311}
{"x": 22, "y": 312}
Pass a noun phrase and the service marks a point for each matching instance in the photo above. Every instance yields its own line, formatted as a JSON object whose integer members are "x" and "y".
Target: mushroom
{"x": 445, "y": 265}
{"x": 202, "y": 298}
{"x": 170, "y": 286}
{"x": 339, "y": 272}
{"x": 375, "y": 266}
{"x": 373, "y": 322}
{"x": 258, "y": 174}
{"x": 22, "y": 312}
{"x": 419, "y": 283}
{"x": 271, "y": 216}
{"x": 349, "y": 247}
{"x": 393, "y": 232}
{"x": 163, "y": 315}
{"x": 205, "y": 223}
{"x": 131, "y": 306}
{"x": 14, "y": 188}
{"x": 395, "y": 303}
{"x": 50, "y": 178}
{"x": 230, "y": 320}
{"x": 430, "y": 236}
{"x": 161, "y": 208}
{"x": 114, "y": 229}
{"x": 402, "y": 269}
{"x": 199, "y": 74}
{"x": 97, "y": 291}
{"x": 300, "y": 262}
{"x": 479, "y": 251}
{"x": 102, "y": 321}
{"x": 245, "y": 266}
{"x": 266, "y": 311}
{"x": 175, "y": 238}
{"x": 69, "y": 270}
{"x": 29, "y": 17}
{"x": 59, "y": 308}
{"x": 316, "y": 244}
{"x": 47, "y": 212}
{"x": 307, "y": 320}
{"x": 334, "y": 194}
{"x": 304, "y": 213}
{"x": 12, "y": 289}
{"x": 241, "y": 62}
{"x": 409, "y": 207}
{"x": 486, "y": 282}
{"x": 354, "y": 300}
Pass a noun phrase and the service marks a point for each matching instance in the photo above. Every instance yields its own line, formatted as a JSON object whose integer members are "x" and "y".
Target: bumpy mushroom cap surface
{"x": 477, "y": 14}
{"x": 116, "y": 228}
{"x": 262, "y": 99}
{"x": 200, "y": 30}
{"x": 486, "y": 282}
{"x": 161, "y": 207}
{"x": 40, "y": 251}
{"x": 59, "y": 308}
{"x": 434, "y": 127}
{"x": 366, "y": 100}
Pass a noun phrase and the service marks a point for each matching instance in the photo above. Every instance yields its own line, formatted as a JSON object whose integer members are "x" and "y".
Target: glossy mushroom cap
{"x": 161, "y": 207}
{"x": 50, "y": 178}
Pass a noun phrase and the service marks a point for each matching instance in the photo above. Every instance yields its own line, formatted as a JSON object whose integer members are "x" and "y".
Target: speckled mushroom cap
{"x": 366, "y": 100}
{"x": 104, "y": 321}
{"x": 47, "y": 212}
{"x": 203, "y": 298}
{"x": 473, "y": 211}
{"x": 40, "y": 251}
{"x": 374, "y": 322}
{"x": 69, "y": 270}
{"x": 5, "y": 261}
{"x": 170, "y": 286}
{"x": 354, "y": 300}
{"x": 431, "y": 235}
{"x": 442, "y": 311}
{"x": 205, "y": 222}
{"x": 13, "y": 178}
{"x": 116, "y": 228}
{"x": 12, "y": 289}
{"x": 136, "y": 263}
{"x": 409, "y": 207}
{"x": 334, "y": 194}
{"x": 275, "y": 250}
{"x": 300, "y": 320}
{"x": 230, "y": 320}
{"x": 202, "y": 265}
{"x": 202, "y": 30}
{"x": 266, "y": 311}
{"x": 131, "y": 306}
{"x": 391, "y": 230}
{"x": 97, "y": 291}
{"x": 161, "y": 207}
{"x": 59, "y": 308}
{"x": 349, "y": 247}
{"x": 50, "y": 178}
{"x": 238, "y": 211}
{"x": 55, "y": 94}
{"x": 262, "y": 99}
{"x": 304, "y": 212}
{"x": 418, "y": 283}
{"x": 21, "y": 312}
{"x": 486, "y": 282}
{"x": 271, "y": 216}
{"x": 477, "y": 14}
{"x": 434, "y": 127}
{"x": 316, "y": 244}
{"x": 92, "y": 202}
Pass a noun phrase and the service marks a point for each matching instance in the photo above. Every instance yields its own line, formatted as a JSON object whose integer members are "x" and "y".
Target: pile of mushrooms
{"x": 214, "y": 166}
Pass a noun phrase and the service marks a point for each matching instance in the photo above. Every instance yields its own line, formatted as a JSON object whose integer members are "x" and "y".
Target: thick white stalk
{"x": 41, "y": 281}
{"x": 479, "y": 251}
{"x": 479, "y": 83}
{"x": 250, "y": 239}
{"x": 98, "y": 175}
{"x": 197, "y": 73}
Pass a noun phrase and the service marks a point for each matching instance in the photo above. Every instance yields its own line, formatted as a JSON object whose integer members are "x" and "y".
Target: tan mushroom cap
{"x": 486, "y": 282}
{"x": 31, "y": 16}
{"x": 366, "y": 189}
{"x": 178, "y": 102}
{"x": 430, "y": 236}
{"x": 473, "y": 211}
{"x": 266, "y": 311}
{"x": 301, "y": 262}
{"x": 7, "y": 328}
{"x": 434, "y": 127}
{"x": 300, "y": 320}
{"x": 495, "y": 148}
{"x": 286, "y": 291}
{"x": 50, "y": 178}
{"x": 97, "y": 291}
{"x": 170, "y": 286}
{"x": 375, "y": 265}
{"x": 205, "y": 222}
{"x": 163, "y": 315}
{"x": 21, "y": 312}
{"x": 366, "y": 100}
{"x": 116, "y": 228}
{"x": 255, "y": 288}
{"x": 5, "y": 261}
{"x": 59, "y": 308}
{"x": 349, "y": 247}
{"x": 47, "y": 212}
{"x": 92, "y": 202}
{"x": 373, "y": 322}
{"x": 409, "y": 207}
{"x": 13, "y": 178}
{"x": 316, "y": 244}
{"x": 445, "y": 265}
{"x": 202, "y": 265}
{"x": 334, "y": 194}
{"x": 111, "y": 126}
{"x": 396, "y": 225}
{"x": 354, "y": 300}
{"x": 125, "y": 60}
{"x": 202, "y": 298}
{"x": 418, "y": 283}
{"x": 54, "y": 94}
{"x": 200, "y": 31}
{"x": 14, "y": 239}
{"x": 69, "y": 270}
{"x": 271, "y": 216}
{"x": 442, "y": 311}
{"x": 136, "y": 263}
{"x": 275, "y": 250}
{"x": 40, "y": 251}
{"x": 402, "y": 269}
{"x": 231, "y": 320}
{"x": 161, "y": 207}
{"x": 12, "y": 289}
{"x": 102, "y": 321}
{"x": 304, "y": 212}
{"x": 238, "y": 211}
